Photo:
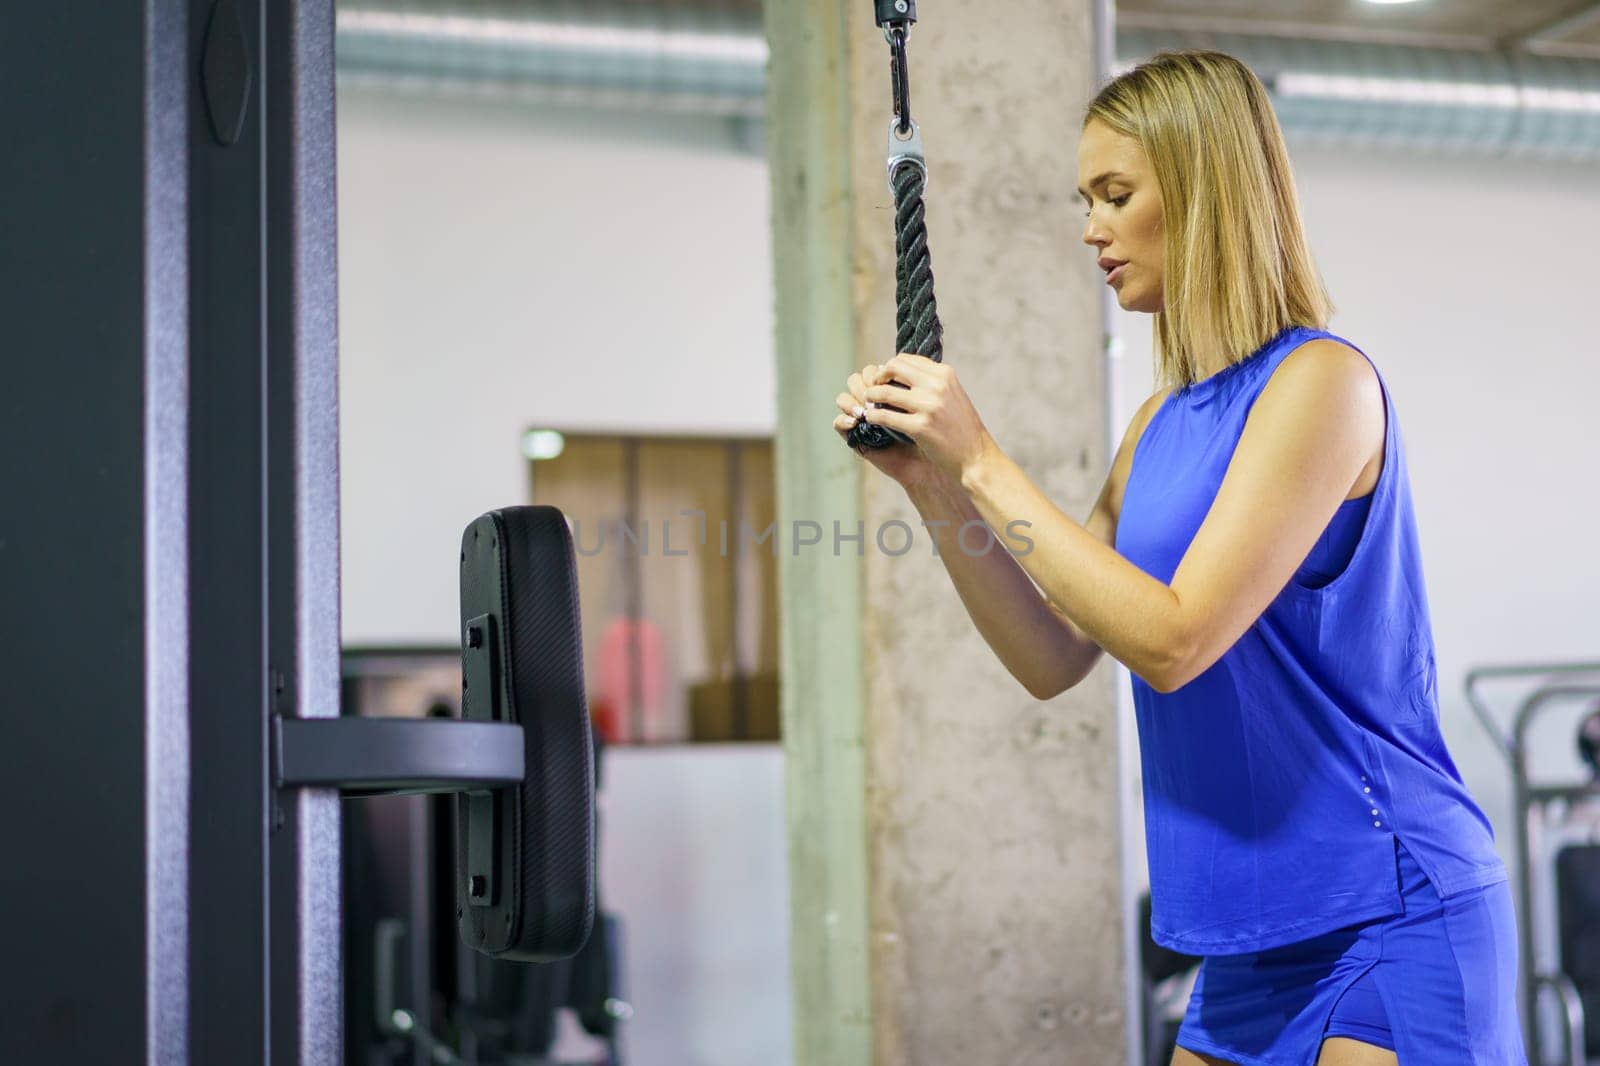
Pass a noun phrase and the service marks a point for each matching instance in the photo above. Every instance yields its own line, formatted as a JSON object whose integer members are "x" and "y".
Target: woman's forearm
{"x": 1135, "y": 618}
{"x": 1040, "y": 648}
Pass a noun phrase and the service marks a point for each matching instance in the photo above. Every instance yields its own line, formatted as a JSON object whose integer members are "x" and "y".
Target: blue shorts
{"x": 1436, "y": 985}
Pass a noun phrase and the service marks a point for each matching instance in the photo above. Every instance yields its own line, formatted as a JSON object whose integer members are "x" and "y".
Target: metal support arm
{"x": 396, "y": 756}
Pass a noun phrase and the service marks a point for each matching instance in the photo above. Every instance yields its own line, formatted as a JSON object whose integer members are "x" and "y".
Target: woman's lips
{"x": 1115, "y": 274}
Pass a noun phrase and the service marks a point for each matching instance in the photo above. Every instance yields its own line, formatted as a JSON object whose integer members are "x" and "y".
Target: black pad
{"x": 1578, "y": 915}
{"x": 525, "y": 856}
{"x": 1158, "y": 963}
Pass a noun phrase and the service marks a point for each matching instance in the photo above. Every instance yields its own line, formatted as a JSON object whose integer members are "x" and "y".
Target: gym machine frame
{"x": 172, "y": 566}
{"x": 1558, "y": 683}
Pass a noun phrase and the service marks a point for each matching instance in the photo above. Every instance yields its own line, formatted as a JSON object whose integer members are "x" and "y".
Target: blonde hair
{"x": 1238, "y": 269}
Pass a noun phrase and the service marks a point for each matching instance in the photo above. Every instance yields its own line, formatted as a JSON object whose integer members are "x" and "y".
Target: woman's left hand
{"x": 935, "y": 411}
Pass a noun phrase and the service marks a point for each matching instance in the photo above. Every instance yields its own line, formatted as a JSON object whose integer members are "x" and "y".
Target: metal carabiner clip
{"x": 905, "y": 150}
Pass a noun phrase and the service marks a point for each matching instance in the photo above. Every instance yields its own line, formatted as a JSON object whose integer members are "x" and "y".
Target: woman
{"x": 1253, "y": 561}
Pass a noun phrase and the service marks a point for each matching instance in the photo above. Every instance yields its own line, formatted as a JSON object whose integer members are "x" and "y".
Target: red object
{"x": 606, "y": 720}
{"x": 630, "y": 671}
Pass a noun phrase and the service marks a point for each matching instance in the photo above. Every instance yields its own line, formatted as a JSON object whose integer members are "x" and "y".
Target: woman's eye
{"x": 1117, "y": 201}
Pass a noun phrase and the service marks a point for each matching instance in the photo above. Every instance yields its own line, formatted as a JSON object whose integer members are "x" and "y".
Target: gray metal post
{"x": 94, "y": 579}
{"x": 168, "y": 537}
{"x": 302, "y": 403}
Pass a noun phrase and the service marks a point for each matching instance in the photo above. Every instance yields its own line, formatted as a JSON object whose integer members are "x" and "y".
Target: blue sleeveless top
{"x": 1277, "y": 782}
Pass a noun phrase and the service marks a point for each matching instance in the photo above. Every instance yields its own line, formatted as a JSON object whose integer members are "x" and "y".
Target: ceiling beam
{"x": 1565, "y": 26}
{"x": 1549, "y": 39}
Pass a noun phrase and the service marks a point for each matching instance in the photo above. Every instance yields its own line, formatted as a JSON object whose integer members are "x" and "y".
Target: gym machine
{"x": 1556, "y": 857}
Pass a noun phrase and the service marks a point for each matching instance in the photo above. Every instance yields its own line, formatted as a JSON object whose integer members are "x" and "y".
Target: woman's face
{"x": 1124, "y": 215}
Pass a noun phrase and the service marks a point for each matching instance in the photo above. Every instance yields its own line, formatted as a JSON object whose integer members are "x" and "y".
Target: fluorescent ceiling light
{"x": 543, "y": 444}
{"x": 565, "y": 36}
{"x": 1447, "y": 93}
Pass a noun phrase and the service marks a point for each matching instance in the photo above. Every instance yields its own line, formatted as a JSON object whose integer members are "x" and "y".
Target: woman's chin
{"x": 1131, "y": 302}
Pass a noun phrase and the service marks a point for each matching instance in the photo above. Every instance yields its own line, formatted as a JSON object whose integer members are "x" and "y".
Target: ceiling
{"x": 1506, "y": 76}
{"x": 1547, "y": 27}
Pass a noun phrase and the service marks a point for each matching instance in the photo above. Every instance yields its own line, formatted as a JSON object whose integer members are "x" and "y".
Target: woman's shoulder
{"x": 1325, "y": 369}
{"x": 1147, "y": 411}
{"x": 1317, "y": 351}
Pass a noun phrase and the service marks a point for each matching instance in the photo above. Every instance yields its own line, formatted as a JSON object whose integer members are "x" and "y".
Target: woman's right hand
{"x": 906, "y": 463}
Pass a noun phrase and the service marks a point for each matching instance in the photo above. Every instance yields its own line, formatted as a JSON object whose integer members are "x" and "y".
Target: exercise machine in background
{"x": 415, "y": 994}
{"x": 1556, "y": 855}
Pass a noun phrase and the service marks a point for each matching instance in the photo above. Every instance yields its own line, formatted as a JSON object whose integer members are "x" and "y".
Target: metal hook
{"x": 899, "y": 75}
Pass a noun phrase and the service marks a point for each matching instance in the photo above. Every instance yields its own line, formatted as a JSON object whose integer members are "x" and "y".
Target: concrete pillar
{"x": 954, "y": 842}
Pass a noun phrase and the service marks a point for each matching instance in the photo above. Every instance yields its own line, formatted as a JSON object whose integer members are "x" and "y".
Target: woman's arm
{"x": 1315, "y": 426}
{"x": 1036, "y": 642}
{"x": 1040, "y": 648}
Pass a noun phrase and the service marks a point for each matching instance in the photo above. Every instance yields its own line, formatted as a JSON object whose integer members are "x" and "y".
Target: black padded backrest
{"x": 525, "y": 856}
{"x": 1578, "y": 915}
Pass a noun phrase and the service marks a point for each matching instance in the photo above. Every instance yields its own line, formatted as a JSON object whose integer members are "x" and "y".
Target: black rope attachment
{"x": 917, "y": 328}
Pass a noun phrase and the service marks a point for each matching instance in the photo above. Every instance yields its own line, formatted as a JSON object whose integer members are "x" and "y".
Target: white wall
{"x": 692, "y": 855}
{"x": 503, "y": 267}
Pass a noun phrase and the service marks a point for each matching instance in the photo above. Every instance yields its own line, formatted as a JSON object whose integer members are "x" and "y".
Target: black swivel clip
{"x": 902, "y": 11}
{"x": 895, "y": 17}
